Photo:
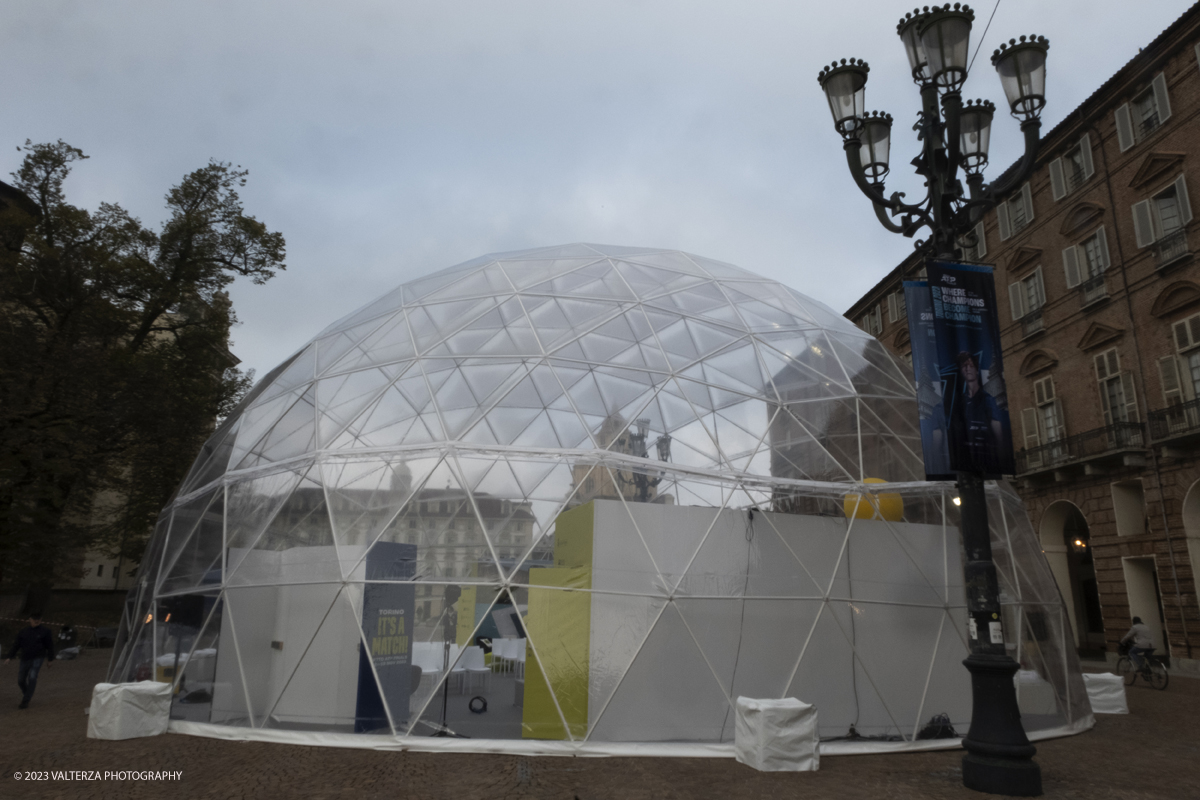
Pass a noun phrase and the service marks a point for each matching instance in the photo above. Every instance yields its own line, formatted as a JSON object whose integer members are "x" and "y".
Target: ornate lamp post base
{"x": 999, "y": 757}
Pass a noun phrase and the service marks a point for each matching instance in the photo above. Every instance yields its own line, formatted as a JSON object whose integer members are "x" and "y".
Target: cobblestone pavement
{"x": 1152, "y": 753}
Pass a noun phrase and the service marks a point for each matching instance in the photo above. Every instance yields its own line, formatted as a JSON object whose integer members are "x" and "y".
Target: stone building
{"x": 592, "y": 481}
{"x": 1099, "y": 294}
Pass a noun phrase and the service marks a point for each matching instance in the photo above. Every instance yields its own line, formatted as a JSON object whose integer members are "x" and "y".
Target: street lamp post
{"x": 999, "y": 757}
{"x": 642, "y": 482}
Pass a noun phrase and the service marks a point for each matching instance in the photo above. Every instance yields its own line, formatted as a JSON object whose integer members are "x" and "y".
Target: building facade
{"x": 1099, "y": 295}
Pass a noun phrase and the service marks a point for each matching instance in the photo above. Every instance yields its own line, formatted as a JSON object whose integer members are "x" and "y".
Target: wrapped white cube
{"x": 1106, "y": 693}
{"x": 129, "y": 710}
{"x": 776, "y": 735}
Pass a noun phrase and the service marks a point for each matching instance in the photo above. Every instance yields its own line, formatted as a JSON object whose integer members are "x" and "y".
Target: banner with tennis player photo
{"x": 959, "y": 371}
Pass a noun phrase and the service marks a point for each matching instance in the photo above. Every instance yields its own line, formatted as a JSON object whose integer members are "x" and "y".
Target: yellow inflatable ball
{"x": 890, "y": 505}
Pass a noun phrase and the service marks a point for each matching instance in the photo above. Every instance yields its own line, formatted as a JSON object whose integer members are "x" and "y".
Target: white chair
{"x": 458, "y": 669}
{"x": 519, "y": 657}
{"x": 429, "y": 656}
{"x": 472, "y": 661}
{"x": 501, "y": 654}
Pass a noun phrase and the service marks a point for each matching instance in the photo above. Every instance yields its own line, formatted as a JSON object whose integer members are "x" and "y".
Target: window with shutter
{"x": 1183, "y": 339}
{"x": 1181, "y": 195}
{"x": 1073, "y": 169}
{"x": 1043, "y": 391}
{"x": 977, "y": 249}
{"x": 1124, "y": 119}
{"x": 1025, "y": 298}
{"x": 1146, "y": 118}
{"x": 1035, "y": 291}
{"x": 1049, "y": 411}
{"x": 1162, "y": 100}
{"x": 1071, "y": 266}
{"x": 1172, "y": 385}
{"x": 1143, "y": 224}
{"x": 893, "y": 308}
{"x": 1162, "y": 221}
{"x": 1166, "y": 213}
{"x": 1118, "y": 401}
{"x": 1029, "y": 421}
{"x": 1016, "y": 299}
{"x": 1095, "y": 251}
{"x": 1130, "y": 395}
{"x": 1187, "y": 333}
{"x": 1015, "y": 213}
{"x": 1085, "y": 156}
{"x": 1189, "y": 375}
{"x": 1058, "y": 183}
{"x": 1108, "y": 364}
{"x": 872, "y": 323}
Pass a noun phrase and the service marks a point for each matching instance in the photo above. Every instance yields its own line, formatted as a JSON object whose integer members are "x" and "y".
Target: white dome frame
{"x": 487, "y": 428}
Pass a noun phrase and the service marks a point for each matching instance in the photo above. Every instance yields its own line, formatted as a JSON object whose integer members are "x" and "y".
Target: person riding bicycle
{"x": 1141, "y": 642}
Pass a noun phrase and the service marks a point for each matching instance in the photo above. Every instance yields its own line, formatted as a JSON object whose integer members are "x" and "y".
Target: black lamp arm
{"x": 990, "y": 194}
{"x": 881, "y": 213}
{"x": 875, "y": 192}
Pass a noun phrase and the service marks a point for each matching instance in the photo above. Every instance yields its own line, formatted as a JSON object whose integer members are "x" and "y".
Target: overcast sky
{"x": 389, "y": 139}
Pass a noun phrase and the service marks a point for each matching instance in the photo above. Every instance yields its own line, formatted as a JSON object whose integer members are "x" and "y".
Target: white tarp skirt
{"x": 776, "y": 735}
{"x": 129, "y": 710}
{"x": 541, "y": 747}
{"x": 1106, "y": 693}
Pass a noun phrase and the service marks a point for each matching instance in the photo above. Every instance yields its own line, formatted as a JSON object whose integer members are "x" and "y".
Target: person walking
{"x": 36, "y": 646}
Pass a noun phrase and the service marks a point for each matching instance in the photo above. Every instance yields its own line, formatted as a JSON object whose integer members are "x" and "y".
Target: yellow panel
{"x": 573, "y": 537}
{"x": 559, "y": 623}
{"x": 466, "y": 616}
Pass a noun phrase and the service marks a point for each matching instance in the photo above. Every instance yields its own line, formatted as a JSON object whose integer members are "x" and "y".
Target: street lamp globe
{"x": 1022, "y": 68}
{"x": 845, "y": 89}
{"x": 876, "y": 137}
{"x": 909, "y": 29}
{"x": 974, "y": 133}
{"x": 945, "y": 36}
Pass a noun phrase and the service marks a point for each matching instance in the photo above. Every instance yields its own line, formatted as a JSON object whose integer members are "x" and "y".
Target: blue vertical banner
{"x": 966, "y": 327}
{"x": 927, "y": 375}
{"x": 387, "y": 618}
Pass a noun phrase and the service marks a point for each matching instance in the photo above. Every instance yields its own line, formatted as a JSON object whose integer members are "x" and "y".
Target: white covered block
{"x": 1035, "y": 695}
{"x": 1106, "y": 693}
{"x": 776, "y": 735}
{"x": 129, "y": 710}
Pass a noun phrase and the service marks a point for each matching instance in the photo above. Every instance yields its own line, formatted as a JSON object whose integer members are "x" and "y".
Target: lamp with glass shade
{"x": 1022, "y": 68}
{"x": 956, "y": 136}
{"x": 945, "y": 38}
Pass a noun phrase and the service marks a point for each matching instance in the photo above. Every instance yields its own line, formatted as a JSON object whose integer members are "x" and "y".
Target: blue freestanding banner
{"x": 387, "y": 619}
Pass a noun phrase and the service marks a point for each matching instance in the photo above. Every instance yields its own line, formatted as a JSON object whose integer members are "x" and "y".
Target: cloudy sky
{"x": 387, "y": 139}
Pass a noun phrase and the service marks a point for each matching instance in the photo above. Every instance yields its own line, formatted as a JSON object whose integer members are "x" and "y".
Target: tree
{"x": 113, "y": 359}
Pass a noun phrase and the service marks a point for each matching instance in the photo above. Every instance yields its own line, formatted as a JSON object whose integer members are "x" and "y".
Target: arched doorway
{"x": 1191, "y": 529}
{"x": 1067, "y": 544}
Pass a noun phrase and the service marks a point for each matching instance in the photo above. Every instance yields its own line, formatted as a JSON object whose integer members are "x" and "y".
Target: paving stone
{"x": 1152, "y": 753}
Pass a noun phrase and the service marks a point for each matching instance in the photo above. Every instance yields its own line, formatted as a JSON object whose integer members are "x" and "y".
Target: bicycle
{"x": 1152, "y": 670}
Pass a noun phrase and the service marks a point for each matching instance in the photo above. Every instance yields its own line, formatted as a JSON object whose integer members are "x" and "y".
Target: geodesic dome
{"x": 600, "y": 492}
